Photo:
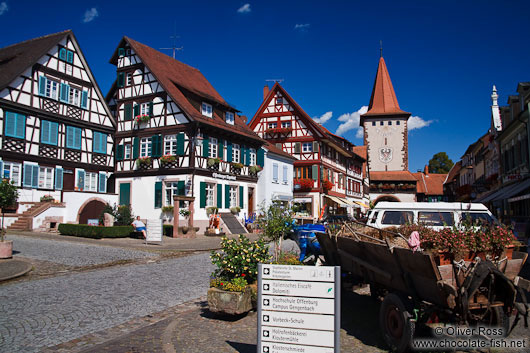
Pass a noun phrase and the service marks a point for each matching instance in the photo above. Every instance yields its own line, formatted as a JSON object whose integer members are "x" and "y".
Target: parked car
{"x": 436, "y": 215}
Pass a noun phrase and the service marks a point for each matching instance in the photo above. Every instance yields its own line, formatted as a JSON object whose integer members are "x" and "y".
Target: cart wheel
{"x": 495, "y": 317}
{"x": 394, "y": 319}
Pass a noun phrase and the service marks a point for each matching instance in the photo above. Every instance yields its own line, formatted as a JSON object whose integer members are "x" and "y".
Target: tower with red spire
{"x": 385, "y": 126}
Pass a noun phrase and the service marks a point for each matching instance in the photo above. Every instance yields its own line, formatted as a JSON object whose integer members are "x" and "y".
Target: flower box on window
{"x": 142, "y": 118}
{"x": 254, "y": 170}
{"x": 327, "y": 185}
{"x": 279, "y": 130}
{"x": 168, "y": 161}
{"x": 213, "y": 163}
{"x": 235, "y": 168}
{"x": 305, "y": 184}
{"x": 144, "y": 163}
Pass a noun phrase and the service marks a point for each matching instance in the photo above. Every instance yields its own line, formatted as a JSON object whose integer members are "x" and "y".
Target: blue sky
{"x": 443, "y": 56}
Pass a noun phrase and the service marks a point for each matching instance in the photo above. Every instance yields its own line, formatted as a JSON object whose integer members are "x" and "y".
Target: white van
{"x": 436, "y": 215}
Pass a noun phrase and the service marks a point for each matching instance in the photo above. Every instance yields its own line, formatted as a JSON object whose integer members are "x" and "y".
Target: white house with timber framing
{"x": 176, "y": 136}
{"x": 56, "y": 133}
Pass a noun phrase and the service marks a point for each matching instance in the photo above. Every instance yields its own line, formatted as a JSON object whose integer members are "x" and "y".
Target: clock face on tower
{"x": 385, "y": 154}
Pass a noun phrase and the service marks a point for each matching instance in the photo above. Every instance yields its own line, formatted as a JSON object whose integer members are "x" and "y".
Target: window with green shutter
{"x": 261, "y": 157}
{"x": 205, "y": 143}
{"x": 127, "y": 111}
{"x": 99, "y": 142}
{"x": 202, "y": 194}
{"x": 125, "y": 194}
{"x": 15, "y": 125}
{"x": 84, "y": 99}
{"x": 151, "y": 109}
{"x": 119, "y": 152}
{"x": 227, "y": 196}
{"x": 241, "y": 196}
{"x": 49, "y": 132}
{"x": 297, "y": 147}
{"x": 64, "y": 95}
{"x": 73, "y": 137}
{"x": 121, "y": 79}
{"x": 315, "y": 146}
{"x": 136, "y": 147}
{"x": 136, "y": 110}
{"x": 158, "y": 194}
{"x": 220, "y": 149}
{"x": 181, "y": 187}
{"x": 102, "y": 182}
{"x": 180, "y": 144}
{"x": 121, "y": 52}
{"x": 314, "y": 171}
{"x": 228, "y": 151}
{"x": 219, "y": 196}
{"x": 59, "y": 178}
{"x": 156, "y": 146}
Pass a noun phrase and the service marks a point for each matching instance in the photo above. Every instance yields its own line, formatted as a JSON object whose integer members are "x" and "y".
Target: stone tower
{"x": 385, "y": 126}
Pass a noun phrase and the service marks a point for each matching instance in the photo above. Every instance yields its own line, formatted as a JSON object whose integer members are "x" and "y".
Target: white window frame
{"x": 210, "y": 194}
{"x": 233, "y": 196}
{"x": 272, "y": 125}
{"x": 206, "y": 109}
{"x": 285, "y": 175}
{"x": 14, "y": 177}
{"x": 52, "y": 89}
{"x": 144, "y": 108}
{"x": 286, "y": 124}
{"x": 91, "y": 181}
{"x": 128, "y": 79}
{"x": 74, "y": 97}
{"x": 252, "y": 156}
{"x": 46, "y": 176}
{"x": 275, "y": 173}
{"x": 230, "y": 118}
{"x": 170, "y": 145}
{"x": 236, "y": 153}
{"x": 145, "y": 147}
{"x": 127, "y": 151}
{"x": 307, "y": 147}
{"x": 171, "y": 190}
{"x": 212, "y": 147}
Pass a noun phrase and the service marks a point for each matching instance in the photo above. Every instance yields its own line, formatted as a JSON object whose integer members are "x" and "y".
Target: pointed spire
{"x": 496, "y": 120}
{"x": 494, "y": 96}
{"x": 383, "y": 100}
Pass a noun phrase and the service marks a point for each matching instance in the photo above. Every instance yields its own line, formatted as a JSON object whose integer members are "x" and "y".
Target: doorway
{"x": 250, "y": 201}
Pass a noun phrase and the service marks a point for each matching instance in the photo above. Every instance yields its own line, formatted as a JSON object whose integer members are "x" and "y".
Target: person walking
{"x": 139, "y": 226}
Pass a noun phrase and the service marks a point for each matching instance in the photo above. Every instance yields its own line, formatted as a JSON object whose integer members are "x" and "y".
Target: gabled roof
{"x": 383, "y": 100}
{"x": 430, "y": 184}
{"x": 178, "y": 79}
{"x": 16, "y": 58}
{"x": 398, "y": 175}
{"x": 275, "y": 150}
{"x": 453, "y": 172}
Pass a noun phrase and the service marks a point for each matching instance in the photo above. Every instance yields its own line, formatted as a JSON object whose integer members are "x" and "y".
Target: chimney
{"x": 244, "y": 118}
{"x": 265, "y": 91}
{"x": 426, "y": 170}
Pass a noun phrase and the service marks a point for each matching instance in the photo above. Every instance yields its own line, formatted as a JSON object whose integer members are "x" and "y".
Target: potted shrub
{"x": 167, "y": 160}
{"x": 144, "y": 162}
{"x": 254, "y": 170}
{"x": 235, "y": 210}
{"x": 47, "y": 198}
{"x": 168, "y": 209}
{"x": 237, "y": 268}
{"x": 184, "y": 213}
{"x": 213, "y": 163}
{"x": 8, "y": 197}
{"x": 235, "y": 168}
{"x": 211, "y": 210}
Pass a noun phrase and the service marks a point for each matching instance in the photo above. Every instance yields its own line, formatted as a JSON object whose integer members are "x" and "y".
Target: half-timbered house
{"x": 56, "y": 132}
{"x": 326, "y": 171}
{"x": 176, "y": 135}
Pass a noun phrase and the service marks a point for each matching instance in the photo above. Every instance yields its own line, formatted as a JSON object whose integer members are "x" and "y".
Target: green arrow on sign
{"x": 329, "y": 290}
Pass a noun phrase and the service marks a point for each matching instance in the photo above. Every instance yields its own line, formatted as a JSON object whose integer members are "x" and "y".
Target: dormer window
{"x": 279, "y": 100}
{"x": 272, "y": 125}
{"x": 230, "y": 118}
{"x": 66, "y": 55}
{"x": 206, "y": 110}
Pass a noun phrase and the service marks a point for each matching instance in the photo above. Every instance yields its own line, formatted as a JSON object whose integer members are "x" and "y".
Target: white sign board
{"x": 154, "y": 231}
{"x": 298, "y": 309}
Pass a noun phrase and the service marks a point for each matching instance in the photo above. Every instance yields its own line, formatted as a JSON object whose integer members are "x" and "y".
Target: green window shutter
{"x": 121, "y": 52}
{"x": 180, "y": 144}
{"x": 136, "y": 147}
{"x": 42, "y": 85}
{"x": 59, "y": 178}
{"x": 245, "y": 156}
{"x": 119, "y": 152}
{"x": 156, "y": 146}
{"x": 219, "y": 196}
{"x": 158, "y": 194}
{"x": 127, "y": 107}
{"x": 125, "y": 194}
{"x": 202, "y": 194}
{"x": 45, "y": 131}
{"x": 315, "y": 146}
{"x": 28, "y": 170}
{"x": 297, "y": 147}
{"x": 20, "y": 130}
{"x": 150, "y": 108}
{"x": 261, "y": 157}
{"x": 64, "y": 96}
{"x": 205, "y": 143}
{"x": 227, "y": 196}
{"x": 314, "y": 172}
{"x": 181, "y": 186}
{"x": 70, "y": 56}
{"x": 241, "y": 196}
{"x": 62, "y": 54}
{"x": 84, "y": 99}
{"x": 35, "y": 176}
{"x": 136, "y": 110}
{"x": 102, "y": 182}
{"x": 228, "y": 151}
{"x": 220, "y": 149}
{"x": 121, "y": 79}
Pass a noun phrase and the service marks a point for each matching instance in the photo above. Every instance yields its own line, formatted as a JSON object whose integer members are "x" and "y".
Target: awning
{"x": 362, "y": 204}
{"x": 303, "y": 200}
{"x": 519, "y": 198}
{"x": 282, "y": 197}
{"x": 513, "y": 190}
{"x": 349, "y": 202}
{"x": 338, "y": 200}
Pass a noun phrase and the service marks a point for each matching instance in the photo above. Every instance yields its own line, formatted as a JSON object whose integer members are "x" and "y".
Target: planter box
{"x": 6, "y": 249}
{"x": 446, "y": 258}
{"x": 233, "y": 303}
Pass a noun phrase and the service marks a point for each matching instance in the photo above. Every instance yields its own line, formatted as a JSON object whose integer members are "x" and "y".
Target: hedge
{"x": 95, "y": 232}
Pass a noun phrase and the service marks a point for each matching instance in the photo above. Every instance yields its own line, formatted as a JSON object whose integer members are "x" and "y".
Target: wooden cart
{"x": 416, "y": 290}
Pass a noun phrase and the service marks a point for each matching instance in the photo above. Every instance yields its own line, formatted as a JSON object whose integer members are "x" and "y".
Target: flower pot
{"x": 233, "y": 303}
{"x": 6, "y": 249}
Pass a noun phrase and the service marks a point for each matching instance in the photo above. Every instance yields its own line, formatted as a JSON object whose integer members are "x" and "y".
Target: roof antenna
{"x": 174, "y": 37}
{"x": 381, "y": 48}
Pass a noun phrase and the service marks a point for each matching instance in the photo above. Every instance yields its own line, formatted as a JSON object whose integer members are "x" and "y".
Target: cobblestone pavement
{"x": 71, "y": 253}
{"x": 46, "y": 312}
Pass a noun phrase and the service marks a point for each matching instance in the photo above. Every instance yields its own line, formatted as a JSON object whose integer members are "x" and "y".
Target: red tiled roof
{"x": 383, "y": 100}
{"x": 361, "y": 151}
{"x": 276, "y": 150}
{"x": 453, "y": 172}
{"x": 177, "y": 78}
{"x": 398, "y": 175}
{"x": 430, "y": 184}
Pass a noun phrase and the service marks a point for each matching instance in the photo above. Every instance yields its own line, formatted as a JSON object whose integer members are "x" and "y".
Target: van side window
{"x": 397, "y": 217}
{"x": 436, "y": 218}
{"x": 374, "y": 217}
{"x": 475, "y": 217}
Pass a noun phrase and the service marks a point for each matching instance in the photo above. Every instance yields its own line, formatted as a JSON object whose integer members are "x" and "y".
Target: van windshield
{"x": 436, "y": 218}
{"x": 478, "y": 217}
{"x": 397, "y": 217}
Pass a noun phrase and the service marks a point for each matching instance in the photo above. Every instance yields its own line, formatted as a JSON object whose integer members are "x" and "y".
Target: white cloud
{"x": 3, "y": 7}
{"x": 244, "y": 9}
{"x": 415, "y": 122}
{"x": 325, "y": 117}
{"x": 90, "y": 15}
{"x": 350, "y": 121}
{"x": 301, "y": 26}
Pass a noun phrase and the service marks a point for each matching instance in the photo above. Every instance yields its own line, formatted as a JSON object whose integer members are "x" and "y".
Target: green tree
{"x": 440, "y": 163}
{"x": 8, "y": 198}
{"x": 275, "y": 221}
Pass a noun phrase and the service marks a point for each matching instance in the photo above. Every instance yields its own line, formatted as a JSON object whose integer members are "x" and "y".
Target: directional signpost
{"x": 298, "y": 309}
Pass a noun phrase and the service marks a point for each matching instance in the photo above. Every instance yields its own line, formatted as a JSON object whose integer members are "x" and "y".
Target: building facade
{"x": 56, "y": 132}
{"x": 177, "y": 136}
